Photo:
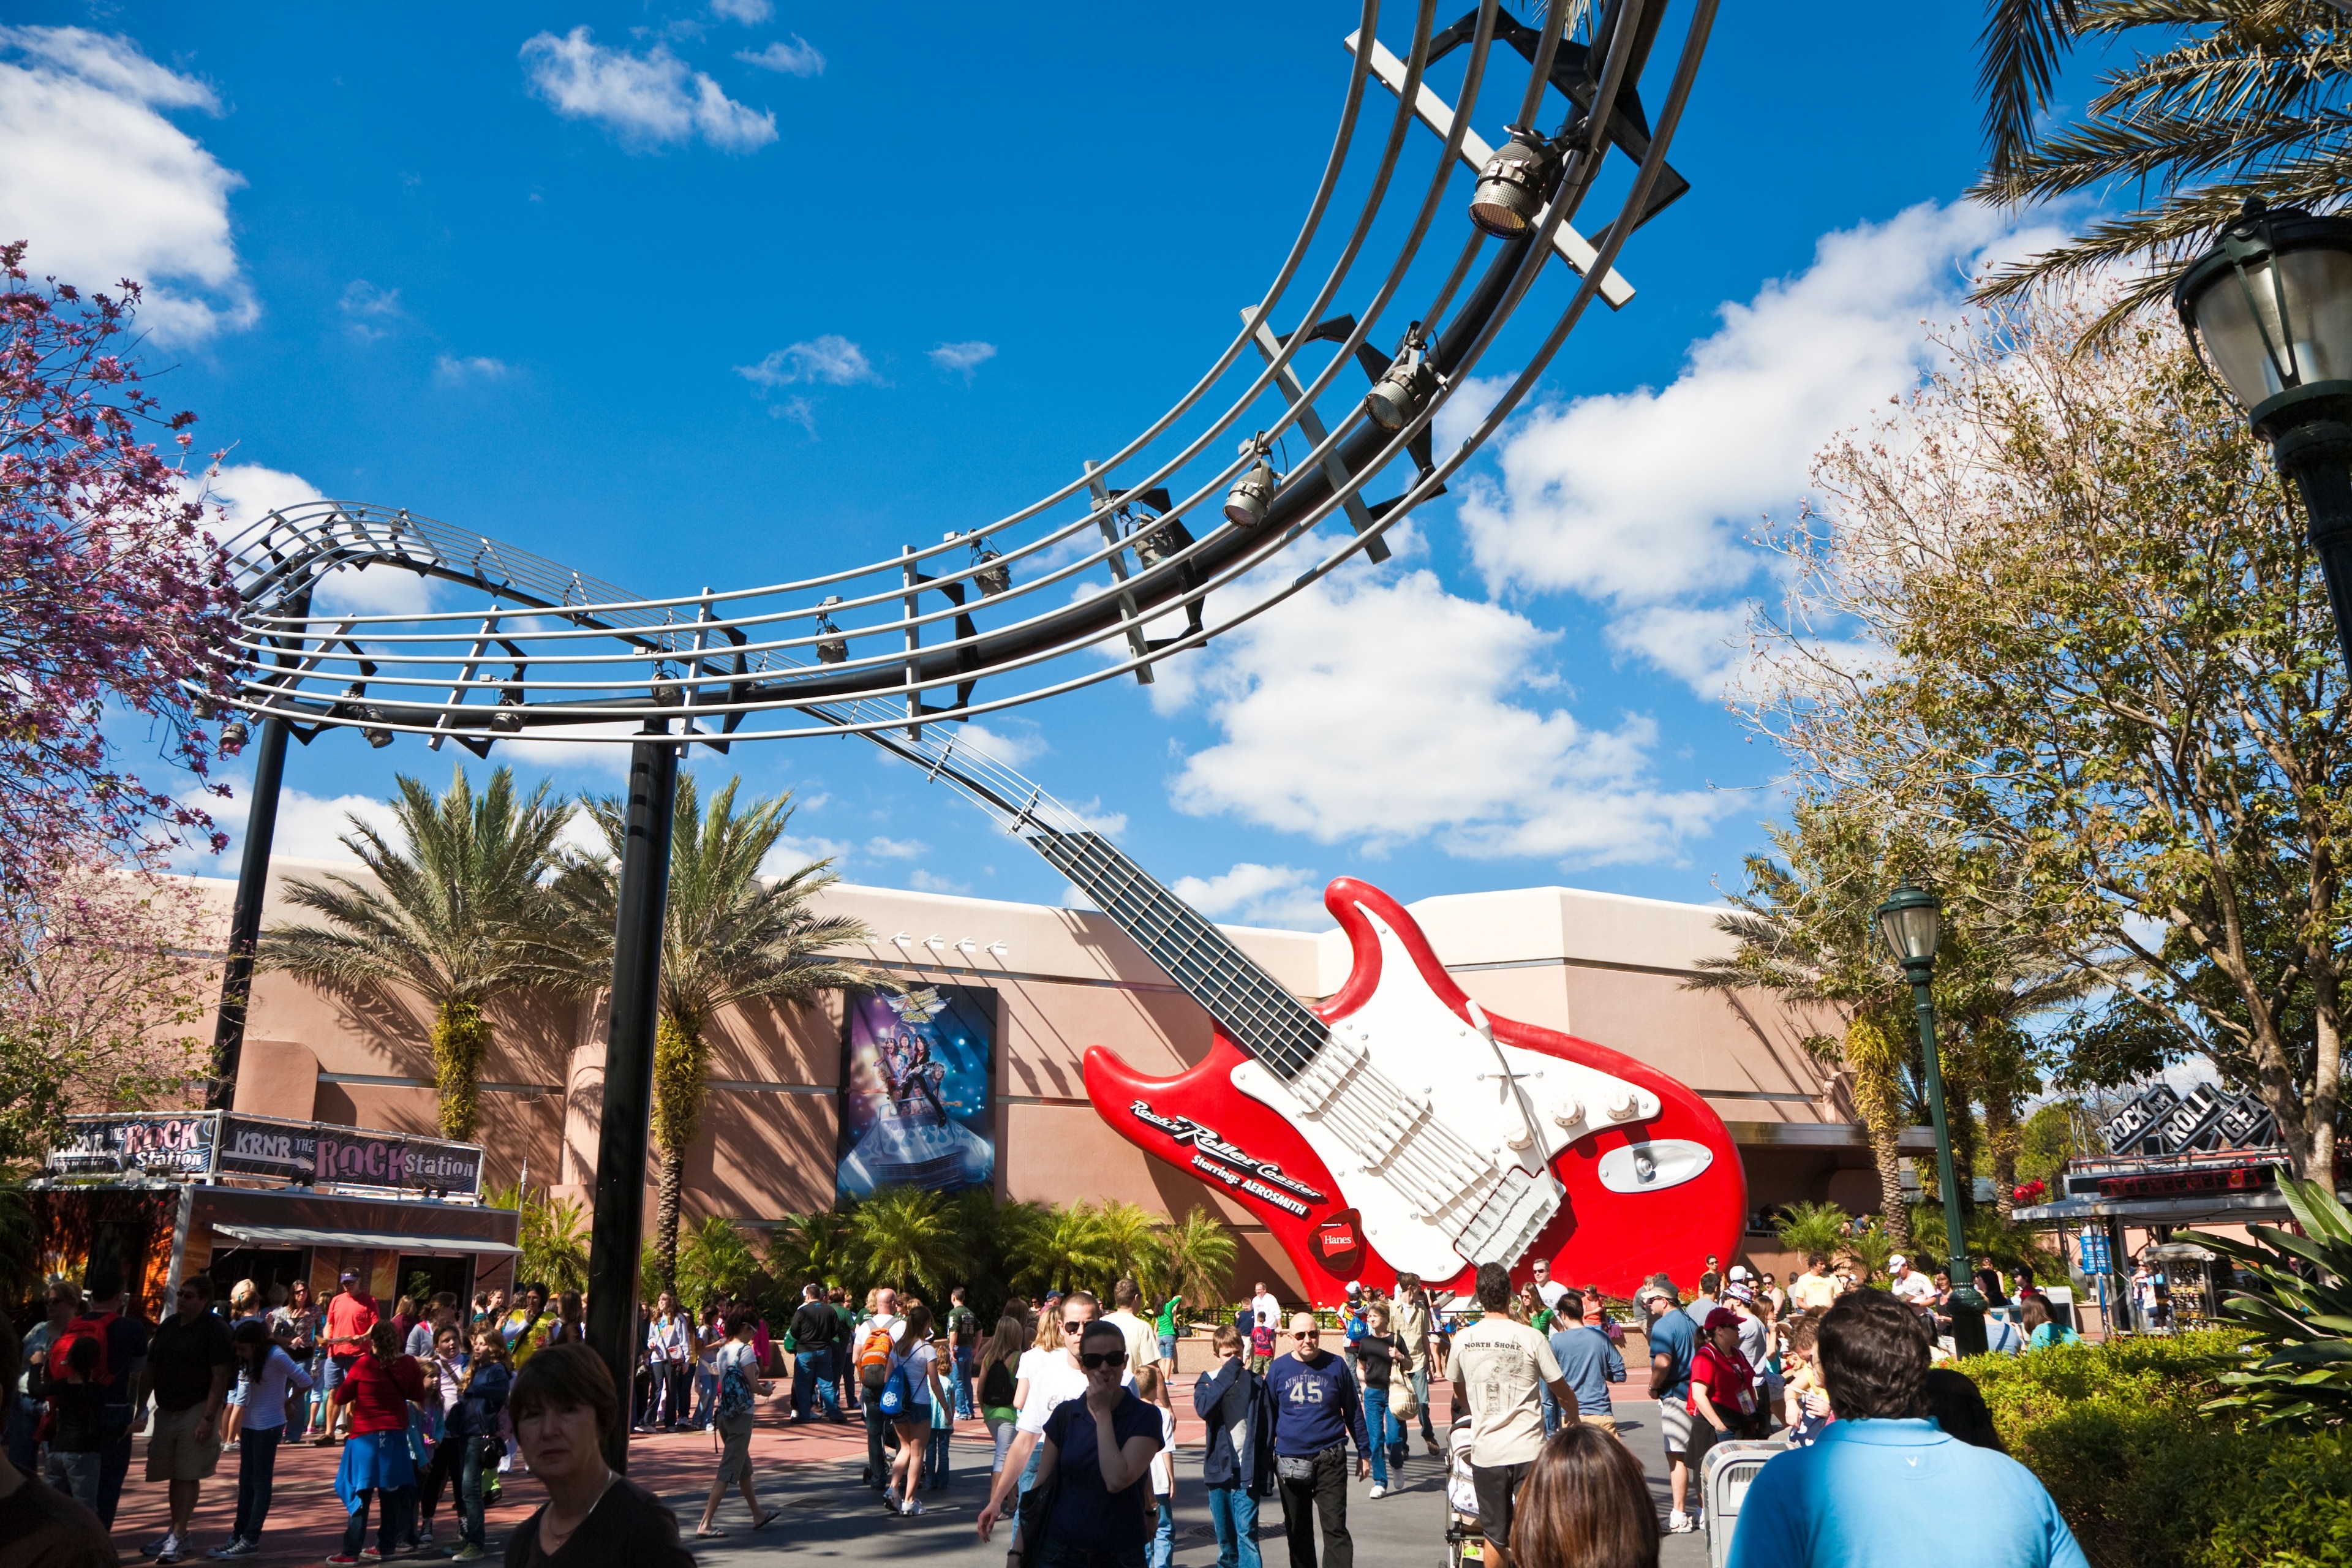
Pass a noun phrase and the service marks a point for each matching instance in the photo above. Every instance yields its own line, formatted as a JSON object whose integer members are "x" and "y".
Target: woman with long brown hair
{"x": 380, "y": 1387}
{"x": 997, "y": 1381}
{"x": 914, "y": 1378}
{"x": 1585, "y": 1505}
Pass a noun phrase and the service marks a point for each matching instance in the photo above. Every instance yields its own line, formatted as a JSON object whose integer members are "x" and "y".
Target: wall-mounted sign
{"x": 311, "y": 1154}
{"x": 915, "y": 1086}
{"x": 176, "y": 1143}
{"x": 2162, "y": 1122}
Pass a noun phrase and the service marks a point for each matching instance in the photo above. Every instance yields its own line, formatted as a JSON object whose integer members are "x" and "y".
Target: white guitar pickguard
{"x": 1414, "y": 1042}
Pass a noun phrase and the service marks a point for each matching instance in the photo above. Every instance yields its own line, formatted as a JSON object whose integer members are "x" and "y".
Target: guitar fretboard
{"x": 1262, "y": 1018}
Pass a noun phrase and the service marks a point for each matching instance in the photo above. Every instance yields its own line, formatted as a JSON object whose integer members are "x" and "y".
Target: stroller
{"x": 1464, "y": 1544}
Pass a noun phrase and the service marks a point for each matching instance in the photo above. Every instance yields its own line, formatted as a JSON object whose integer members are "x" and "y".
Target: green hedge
{"x": 2147, "y": 1480}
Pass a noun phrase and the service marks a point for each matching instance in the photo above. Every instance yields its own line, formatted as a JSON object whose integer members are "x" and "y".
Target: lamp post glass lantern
{"x": 1912, "y": 922}
{"x": 2269, "y": 311}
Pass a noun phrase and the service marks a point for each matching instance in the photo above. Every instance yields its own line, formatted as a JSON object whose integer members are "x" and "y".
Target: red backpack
{"x": 93, "y": 1328}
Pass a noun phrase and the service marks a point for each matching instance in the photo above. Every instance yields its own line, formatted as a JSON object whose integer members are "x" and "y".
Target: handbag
{"x": 1402, "y": 1403}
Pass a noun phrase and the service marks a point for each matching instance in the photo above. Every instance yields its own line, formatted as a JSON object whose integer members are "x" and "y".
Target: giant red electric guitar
{"x": 1397, "y": 1127}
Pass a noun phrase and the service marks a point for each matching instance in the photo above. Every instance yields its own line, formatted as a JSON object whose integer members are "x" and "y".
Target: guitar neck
{"x": 1259, "y": 1015}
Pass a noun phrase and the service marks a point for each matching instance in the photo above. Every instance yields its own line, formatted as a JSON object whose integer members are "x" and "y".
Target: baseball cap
{"x": 1722, "y": 1317}
{"x": 1739, "y": 1271}
{"x": 1354, "y": 1287}
{"x": 1897, "y": 1261}
{"x": 1741, "y": 1293}
{"x": 349, "y": 1277}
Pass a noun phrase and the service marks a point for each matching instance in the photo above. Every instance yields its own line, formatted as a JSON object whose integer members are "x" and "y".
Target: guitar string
{"x": 1401, "y": 1153}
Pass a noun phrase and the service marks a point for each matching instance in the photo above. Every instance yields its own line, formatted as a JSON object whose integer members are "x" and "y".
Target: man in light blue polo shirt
{"x": 1589, "y": 1363}
{"x": 1883, "y": 1480}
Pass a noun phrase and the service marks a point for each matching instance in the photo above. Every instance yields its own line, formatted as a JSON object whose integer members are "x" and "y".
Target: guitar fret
{"x": 1267, "y": 1021}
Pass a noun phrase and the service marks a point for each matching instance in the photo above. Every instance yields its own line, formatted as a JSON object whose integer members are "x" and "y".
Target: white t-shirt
{"x": 1268, "y": 1311}
{"x": 1549, "y": 1292}
{"x": 1026, "y": 1367}
{"x": 1500, "y": 1361}
{"x": 733, "y": 1352}
{"x": 1915, "y": 1287}
{"x": 1163, "y": 1463}
{"x": 1053, "y": 1381}
{"x": 1142, "y": 1338}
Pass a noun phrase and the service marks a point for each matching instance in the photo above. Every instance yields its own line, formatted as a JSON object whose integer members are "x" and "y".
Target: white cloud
{"x": 449, "y": 370}
{"x": 830, "y": 360}
{"x": 750, "y": 13}
{"x": 1252, "y": 894}
{"x": 363, "y": 304}
{"x": 798, "y": 57}
{"x": 1380, "y": 710}
{"x": 309, "y": 827}
{"x": 1011, "y": 750}
{"x": 104, "y": 188}
{"x": 924, "y": 881}
{"x": 963, "y": 359}
{"x": 793, "y": 852}
{"x": 648, "y": 101}
{"x": 1636, "y": 496}
{"x": 883, "y": 848}
{"x": 1705, "y": 648}
{"x": 799, "y": 410}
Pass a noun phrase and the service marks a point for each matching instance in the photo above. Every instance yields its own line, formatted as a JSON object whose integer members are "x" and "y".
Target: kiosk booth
{"x": 163, "y": 1196}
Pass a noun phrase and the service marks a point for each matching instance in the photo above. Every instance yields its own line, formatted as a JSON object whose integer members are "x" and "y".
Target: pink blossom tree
{"x": 111, "y": 592}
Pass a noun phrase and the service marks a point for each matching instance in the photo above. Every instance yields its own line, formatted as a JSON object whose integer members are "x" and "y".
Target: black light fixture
{"x": 1515, "y": 184}
{"x": 1911, "y": 921}
{"x": 371, "y": 728}
{"x": 2269, "y": 311}
{"x": 1247, "y": 502}
{"x": 989, "y": 570}
{"x": 832, "y": 648}
{"x": 233, "y": 737}
{"x": 1406, "y": 387}
{"x": 1156, "y": 539}
{"x": 507, "y": 718}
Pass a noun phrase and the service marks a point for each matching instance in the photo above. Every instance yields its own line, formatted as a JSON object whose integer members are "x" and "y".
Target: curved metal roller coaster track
{"x": 972, "y": 624}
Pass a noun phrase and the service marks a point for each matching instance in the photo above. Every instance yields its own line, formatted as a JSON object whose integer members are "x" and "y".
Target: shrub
{"x": 2146, "y": 1478}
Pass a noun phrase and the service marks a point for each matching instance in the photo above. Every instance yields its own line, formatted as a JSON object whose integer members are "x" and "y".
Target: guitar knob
{"x": 1568, "y": 1112}
{"x": 1625, "y": 1107}
{"x": 1517, "y": 1141}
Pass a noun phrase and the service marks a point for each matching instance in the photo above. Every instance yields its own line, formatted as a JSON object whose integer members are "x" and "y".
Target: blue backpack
{"x": 734, "y": 1388}
{"x": 898, "y": 1394}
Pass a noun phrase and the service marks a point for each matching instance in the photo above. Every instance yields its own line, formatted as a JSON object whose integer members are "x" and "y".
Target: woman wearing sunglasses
{"x": 1096, "y": 1466}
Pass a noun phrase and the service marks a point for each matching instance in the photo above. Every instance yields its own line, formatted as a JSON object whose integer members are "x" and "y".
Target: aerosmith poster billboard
{"x": 915, "y": 1089}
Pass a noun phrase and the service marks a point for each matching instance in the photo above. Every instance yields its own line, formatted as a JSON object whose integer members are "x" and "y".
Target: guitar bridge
{"x": 1508, "y": 1223}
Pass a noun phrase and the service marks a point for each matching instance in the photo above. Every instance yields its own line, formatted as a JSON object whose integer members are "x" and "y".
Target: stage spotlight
{"x": 1515, "y": 184}
{"x": 507, "y": 719}
{"x": 989, "y": 569}
{"x": 1406, "y": 387}
{"x": 1247, "y": 502}
{"x": 233, "y": 737}
{"x": 832, "y": 649}
{"x": 371, "y": 729}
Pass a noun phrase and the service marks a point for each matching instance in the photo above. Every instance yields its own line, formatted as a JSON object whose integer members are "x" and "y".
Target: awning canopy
{"x": 387, "y": 1241}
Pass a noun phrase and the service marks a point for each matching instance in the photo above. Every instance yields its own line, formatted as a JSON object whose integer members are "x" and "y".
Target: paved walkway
{"x": 809, "y": 1473}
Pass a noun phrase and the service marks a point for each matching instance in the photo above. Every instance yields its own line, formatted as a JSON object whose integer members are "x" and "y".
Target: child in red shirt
{"x": 379, "y": 1388}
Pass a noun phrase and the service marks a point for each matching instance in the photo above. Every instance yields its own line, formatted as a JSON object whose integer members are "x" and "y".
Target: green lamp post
{"x": 1912, "y": 921}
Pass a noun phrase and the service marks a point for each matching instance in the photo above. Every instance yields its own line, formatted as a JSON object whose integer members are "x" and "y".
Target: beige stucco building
{"x": 1606, "y": 967}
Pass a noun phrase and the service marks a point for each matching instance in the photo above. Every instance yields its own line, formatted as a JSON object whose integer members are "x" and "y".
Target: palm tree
{"x": 806, "y": 1249}
{"x": 727, "y": 939}
{"x": 1198, "y": 1252}
{"x": 908, "y": 1237}
{"x": 2234, "y": 98}
{"x": 457, "y": 914}
{"x": 1129, "y": 1236}
{"x": 1805, "y": 931}
{"x": 1068, "y": 1253}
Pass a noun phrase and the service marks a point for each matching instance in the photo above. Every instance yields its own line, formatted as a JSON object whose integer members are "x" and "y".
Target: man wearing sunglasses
{"x": 1316, "y": 1410}
{"x": 1056, "y": 1381}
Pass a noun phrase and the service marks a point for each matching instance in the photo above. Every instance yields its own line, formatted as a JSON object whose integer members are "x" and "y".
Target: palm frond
{"x": 2019, "y": 53}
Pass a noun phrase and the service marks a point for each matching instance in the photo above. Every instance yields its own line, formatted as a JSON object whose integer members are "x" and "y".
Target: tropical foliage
{"x": 730, "y": 939}
{"x": 2295, "y": 1302}
{"x": 552, "y": 1233}
{"x": 2085, "y": 646}
{"x": 2206, "y": 103}
{"x": 1807, "y": 1227}
{"x": 457, "y": 914}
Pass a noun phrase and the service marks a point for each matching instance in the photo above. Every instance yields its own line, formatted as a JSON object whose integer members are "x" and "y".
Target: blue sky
{"x": 506, "y": 266}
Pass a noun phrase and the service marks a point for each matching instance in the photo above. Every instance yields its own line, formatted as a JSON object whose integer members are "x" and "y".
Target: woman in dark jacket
{"x": 1238, "y": 1467}
{"x": 473, "y": 1423}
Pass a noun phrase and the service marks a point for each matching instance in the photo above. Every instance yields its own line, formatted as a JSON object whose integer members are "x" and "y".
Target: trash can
{"x": 1725, "y": 1474}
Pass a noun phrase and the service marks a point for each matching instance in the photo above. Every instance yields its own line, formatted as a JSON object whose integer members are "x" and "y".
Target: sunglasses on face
{"x": 1306, "y": 1333}
{"x": 1101, "y": 1359}
{"x": 1073, "y": 1325}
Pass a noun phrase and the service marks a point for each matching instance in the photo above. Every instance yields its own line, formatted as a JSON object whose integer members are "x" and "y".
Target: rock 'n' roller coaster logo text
{"x": 1212, "y": 1156}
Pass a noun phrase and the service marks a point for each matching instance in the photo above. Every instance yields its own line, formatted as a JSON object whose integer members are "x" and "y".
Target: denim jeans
{"x": 256, "y": 1470}
{"x": 1421, "y": 1398}
{"x": 113, "y": 1464}
{"x": 1376, "y": 1426}
{"x": 877, "y": 1459}
{"x": 1232, "y": 1514}
{"x": 963, "y": 1384}
{"x": 481, "y": 1453}
{"x": 76, "y": 1475}
{"x": 24, "y": 1428}
{"x": 1550, "y": 1410}
{"x": 935, "y": 1457}
{"x": 813, "y": 1385}
{"x": 391, "y": 1522}
{"x": 706, "y": 1396}
{"x": 1163, "y": 1537}
{"x": 1001, "y": 1430}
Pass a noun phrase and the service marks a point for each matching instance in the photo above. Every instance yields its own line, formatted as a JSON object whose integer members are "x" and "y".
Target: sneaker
{"x": 168, "y": 1550}
{"x": 1680, "y": 1524}
{"x": 1378, "y": 1489}
{"x": 466, "y": 1553}
{"x": 155, "y": 1546}
{"x": 914, "y": 1507}
{"x": 423, "y": 1538}
{"x": 236, "y": 1547}
{"x": 370, "y": 1554}
{"x": 342, "y": 1560}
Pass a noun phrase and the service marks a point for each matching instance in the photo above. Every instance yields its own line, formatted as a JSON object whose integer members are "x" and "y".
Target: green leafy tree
{"x": 712, "y": 1258}
{"x": 2221, "y": 101}
{"x": 553, "y": 1237}
{"x": 908, "y": 1240}
{"x": 456, "y": 914}
{"x": 815, "y": 1249}
{"x": 1129, "y": 1235}
{"x": 1805, "y": 1228}
{"x": 996, "y": 1235}
{"x": 1068, "y": 1253}
{"x": 730, "y": 939}
{"x": 2095, "y": 651}
{"x": 1197, "y": 1255}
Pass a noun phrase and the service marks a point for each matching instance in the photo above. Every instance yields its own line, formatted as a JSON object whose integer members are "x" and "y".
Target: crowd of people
{"x": 431, "y": 1400}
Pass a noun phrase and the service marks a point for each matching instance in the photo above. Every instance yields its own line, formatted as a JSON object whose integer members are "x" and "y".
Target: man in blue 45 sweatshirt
{"x": 1315, "y": 1411}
